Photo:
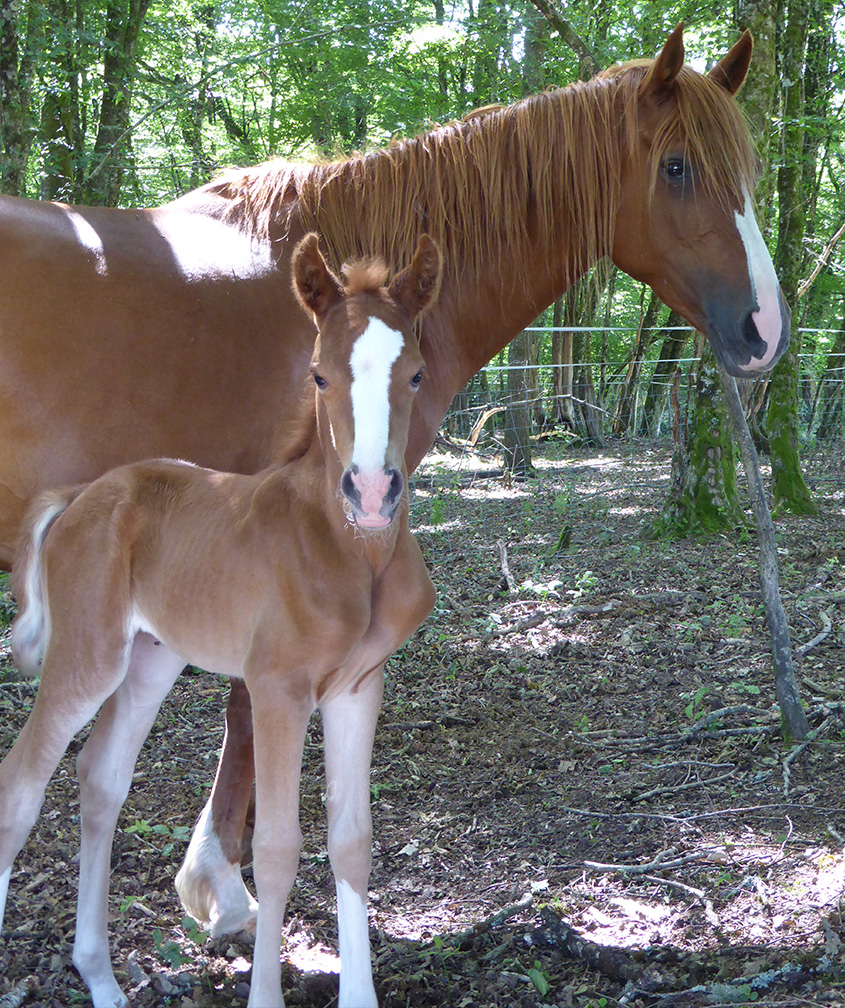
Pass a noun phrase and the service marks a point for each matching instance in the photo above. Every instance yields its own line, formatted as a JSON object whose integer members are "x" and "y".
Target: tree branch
{"x": 588, "y": 65}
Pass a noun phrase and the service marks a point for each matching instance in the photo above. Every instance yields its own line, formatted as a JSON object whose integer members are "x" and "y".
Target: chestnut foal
{"x": 301, "y": 580}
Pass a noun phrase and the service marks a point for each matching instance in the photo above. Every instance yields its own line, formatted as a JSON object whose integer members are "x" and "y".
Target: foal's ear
{"x": 416, "y": 287}
{"x": 314, "y": 284}
{"x": 730, "y": 71}
{"x": 661, "y": 78}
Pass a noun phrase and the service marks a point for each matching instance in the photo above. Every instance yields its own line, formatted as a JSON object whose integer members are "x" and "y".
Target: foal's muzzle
{"x": 373, "y": 497}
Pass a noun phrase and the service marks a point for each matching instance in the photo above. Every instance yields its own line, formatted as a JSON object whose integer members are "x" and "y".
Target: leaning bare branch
{"x": 794, "y": 717}
{"x": 506, "y": 571}
{"x": 821, "y": 262}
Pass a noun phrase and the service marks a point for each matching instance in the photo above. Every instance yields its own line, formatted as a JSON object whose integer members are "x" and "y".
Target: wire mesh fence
{"x": 623, "y": 397}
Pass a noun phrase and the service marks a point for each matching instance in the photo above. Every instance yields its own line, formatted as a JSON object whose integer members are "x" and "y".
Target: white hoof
{"x": 211, "y": 888}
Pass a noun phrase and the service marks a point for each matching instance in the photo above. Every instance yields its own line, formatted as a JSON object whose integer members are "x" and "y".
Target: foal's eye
{"x": 320, "y": 382}
{"x": 415, "y": 381}
{"x": 675, "y": 169}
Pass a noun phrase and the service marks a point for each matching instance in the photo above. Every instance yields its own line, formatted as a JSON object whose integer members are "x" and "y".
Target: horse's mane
{"x": 542, "y": 172}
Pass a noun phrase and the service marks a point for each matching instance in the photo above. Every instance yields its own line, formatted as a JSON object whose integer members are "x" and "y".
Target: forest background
{"x": 134, "y": 102}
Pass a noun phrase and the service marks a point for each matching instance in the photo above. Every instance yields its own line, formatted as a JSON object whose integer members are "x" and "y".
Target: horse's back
{"x": 128, "y": 334}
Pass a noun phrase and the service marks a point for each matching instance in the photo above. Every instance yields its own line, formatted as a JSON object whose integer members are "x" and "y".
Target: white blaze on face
{"x": 764, "y": 284}
{"x": 371, "y": 362}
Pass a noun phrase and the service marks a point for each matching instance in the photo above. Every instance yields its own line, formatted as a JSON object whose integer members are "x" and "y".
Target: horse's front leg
{"x": 105, "y": 767}
{"x": 209, "y": 882}
{"x": 280, "y": 720}
{"x": 349, "y": 724}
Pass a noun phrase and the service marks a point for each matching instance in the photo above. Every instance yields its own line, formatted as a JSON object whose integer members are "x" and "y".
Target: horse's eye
{"x": 675, "y": 168}
{"x": 320, "y": 382}
{"x": 415, "y": 381}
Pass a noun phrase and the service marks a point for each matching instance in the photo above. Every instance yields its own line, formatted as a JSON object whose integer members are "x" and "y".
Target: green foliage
{"x": 170, "y": 835}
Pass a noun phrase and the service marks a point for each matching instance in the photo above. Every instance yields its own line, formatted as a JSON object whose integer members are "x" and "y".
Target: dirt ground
{"x": 581, "y": 794}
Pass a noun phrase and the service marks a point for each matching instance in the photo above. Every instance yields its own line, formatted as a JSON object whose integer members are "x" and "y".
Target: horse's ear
{"x": 661, "y": 78}
{"x": 416, "y": 287}
{"x": 314, "y": 284}
{"x": 730, "y": 71}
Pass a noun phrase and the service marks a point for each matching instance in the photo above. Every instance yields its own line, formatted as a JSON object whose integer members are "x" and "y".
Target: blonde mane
{"x": 544, "y": 172}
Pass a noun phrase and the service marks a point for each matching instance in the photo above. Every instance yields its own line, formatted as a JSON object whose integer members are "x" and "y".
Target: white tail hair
{"x": 31, "y": 629}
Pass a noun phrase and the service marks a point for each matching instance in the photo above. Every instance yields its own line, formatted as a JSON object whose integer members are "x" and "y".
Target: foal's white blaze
{"x": 764, "y": 284}
{"x": 372, "y": 360}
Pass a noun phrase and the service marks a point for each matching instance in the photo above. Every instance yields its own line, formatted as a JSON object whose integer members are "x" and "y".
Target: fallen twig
{"x": 662, "y": 862}
{"x": 688, "y": 786}
{"x": 716, "y": 715}
{"x": 503, "y": 562}
{"x": 827, "y": 626}
{"x": 18, "y": 994}
{"x": 699, "y": 894}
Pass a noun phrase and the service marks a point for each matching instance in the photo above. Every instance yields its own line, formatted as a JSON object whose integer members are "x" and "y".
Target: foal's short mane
{"x": 542, "y": 172}
{"x": 364, "y": 276}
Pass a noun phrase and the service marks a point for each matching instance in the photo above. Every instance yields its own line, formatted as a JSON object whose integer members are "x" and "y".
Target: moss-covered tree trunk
{"x": 789, "y": 488}
{"x": 703, "y": 496}
{"x": 759, "y": 94}
{"x": 16, "y": 131}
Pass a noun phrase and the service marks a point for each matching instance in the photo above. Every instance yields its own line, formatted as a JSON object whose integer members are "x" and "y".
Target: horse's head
{"x": 685, "y": 222}
{"x": 367, "y": 367}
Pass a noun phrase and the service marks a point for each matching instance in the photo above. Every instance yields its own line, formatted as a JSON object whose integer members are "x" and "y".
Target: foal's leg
{"x": 280, "y": 721}
{"x": 349, "y": 724}
{"x": 209, "y": 882}
{"x": 69, "y": 695}
{"x": 105, "y": 768}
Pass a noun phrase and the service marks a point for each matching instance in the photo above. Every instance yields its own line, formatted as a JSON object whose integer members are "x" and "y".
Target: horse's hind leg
{"x": 209, "y": 882}
{"x": 105, "y": 767}
{"x": 63, "y": 706}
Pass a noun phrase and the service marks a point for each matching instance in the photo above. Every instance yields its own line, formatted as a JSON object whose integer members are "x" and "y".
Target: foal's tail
{"x": 31, "y": 626}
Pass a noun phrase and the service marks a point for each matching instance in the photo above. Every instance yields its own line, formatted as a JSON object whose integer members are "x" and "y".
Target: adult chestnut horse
{"x": 128, "y": 334}
{"x": 299, "y": 580}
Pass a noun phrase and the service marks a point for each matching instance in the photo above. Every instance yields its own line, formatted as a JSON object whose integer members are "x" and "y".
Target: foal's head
{"x": 367, "y": 366}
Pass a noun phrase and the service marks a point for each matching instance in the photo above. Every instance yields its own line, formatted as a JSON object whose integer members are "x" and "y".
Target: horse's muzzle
{"x": 740, "y": 346}
{"x": 373, "y": 497}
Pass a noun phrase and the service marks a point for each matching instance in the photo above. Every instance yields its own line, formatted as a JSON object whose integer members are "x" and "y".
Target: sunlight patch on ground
{"x": 310, "y": 957}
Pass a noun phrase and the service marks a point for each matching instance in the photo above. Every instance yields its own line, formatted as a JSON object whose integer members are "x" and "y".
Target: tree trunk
{"x": 703, "y": 496}
{"x": 790, "y": 490}
{"x": 15, "y": 125}
{"x": 831, "y": 400}
{"x": 562, "y": 370}
{"x": 759, "y": 94}
{"x": 626, "y": 407}
{"x": 579, "y": 309}
{"x": 112, "y": 148}
{"x": 675, "y": 338}
{"x": 518, "y": 430}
